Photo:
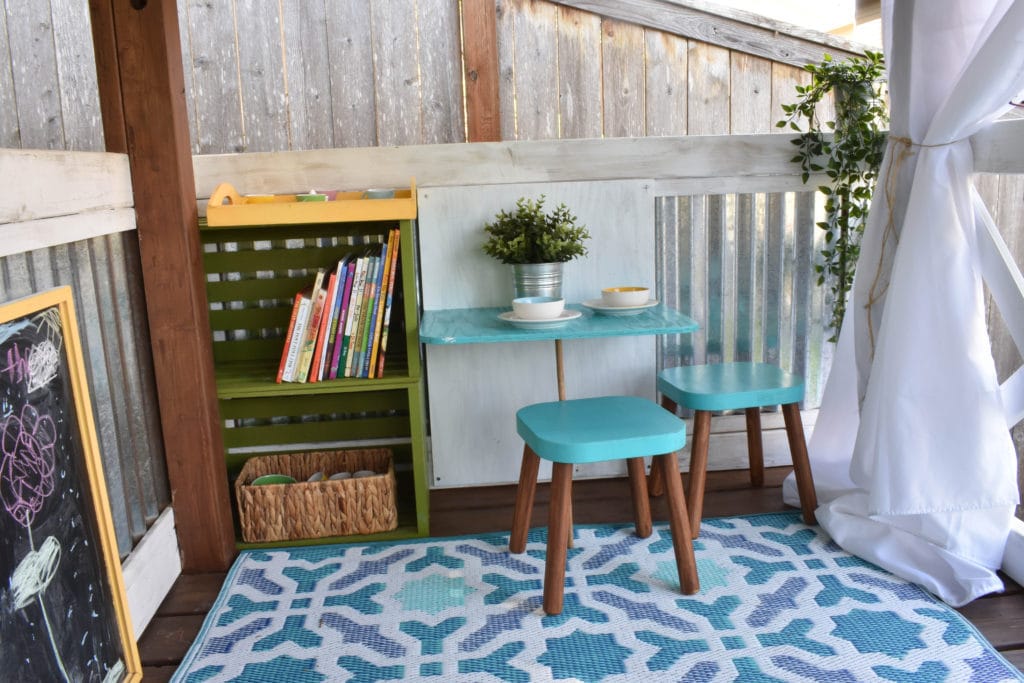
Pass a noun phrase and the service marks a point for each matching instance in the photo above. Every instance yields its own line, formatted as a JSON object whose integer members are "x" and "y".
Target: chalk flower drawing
{"x": 27, "y": 468}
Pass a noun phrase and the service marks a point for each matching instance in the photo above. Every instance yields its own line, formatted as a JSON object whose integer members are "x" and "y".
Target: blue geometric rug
{"x": 778, "y": 602}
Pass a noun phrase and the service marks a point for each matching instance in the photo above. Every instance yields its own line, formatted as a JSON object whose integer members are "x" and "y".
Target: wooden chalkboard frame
{"x": 66, "y": 482}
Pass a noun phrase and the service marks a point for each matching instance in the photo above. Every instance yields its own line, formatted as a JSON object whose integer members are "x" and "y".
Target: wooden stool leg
{"x": 801, "y": 463}
{"x": 698, "y": 467}
{"x": 755, "y": 449}
{"x": 523, "y": 509}
{"x": 679, "y": 525}
{"x": 558, "y": 527}
{"x": 638, "y": 490}
{"x": 655, "y": 486}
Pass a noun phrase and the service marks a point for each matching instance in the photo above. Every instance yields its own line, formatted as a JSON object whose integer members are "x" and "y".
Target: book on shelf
{"x": 355, "y": 303}
{"x": 332, "y": 326}
{"x": 325, "y": 322}
{"x": 289, "y": 352}
{"x": 309, "y": 339}
{"x": 336, "y": 353}
{"x": 370, "y": 329}
{"x": 353, "y": 366}
{"x": 378, "y": 324}
{"x": 389, "y": 298}
{"x": 293, "y": 345}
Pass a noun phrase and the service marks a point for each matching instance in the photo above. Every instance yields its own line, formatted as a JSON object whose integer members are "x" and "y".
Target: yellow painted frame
{"x": 62, "y": 299}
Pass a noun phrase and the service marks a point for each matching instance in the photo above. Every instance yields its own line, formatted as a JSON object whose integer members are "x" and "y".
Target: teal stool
{"x": 595, "y": 430}
{"x": 736, "y": 386}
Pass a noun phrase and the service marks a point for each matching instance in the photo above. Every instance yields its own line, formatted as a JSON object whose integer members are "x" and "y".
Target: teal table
{"x": 482, "y": 325}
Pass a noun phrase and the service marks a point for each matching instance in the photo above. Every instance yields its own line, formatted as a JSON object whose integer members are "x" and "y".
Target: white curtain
{"x": 911, "y": 453}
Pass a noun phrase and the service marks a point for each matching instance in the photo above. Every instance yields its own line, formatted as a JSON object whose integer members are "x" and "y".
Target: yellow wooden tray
{"x": 228, "y": 208}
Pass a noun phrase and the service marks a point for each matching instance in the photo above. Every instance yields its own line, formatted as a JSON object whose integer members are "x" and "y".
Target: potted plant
{"x": 850, "y": 156}
{"x": 536, "y": 243}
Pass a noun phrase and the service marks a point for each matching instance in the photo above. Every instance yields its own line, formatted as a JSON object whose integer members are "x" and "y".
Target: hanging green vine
{"x": 849, "y": 150}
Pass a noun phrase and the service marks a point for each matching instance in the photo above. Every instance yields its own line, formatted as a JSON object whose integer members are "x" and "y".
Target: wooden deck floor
{"x": 1000, "y": 618}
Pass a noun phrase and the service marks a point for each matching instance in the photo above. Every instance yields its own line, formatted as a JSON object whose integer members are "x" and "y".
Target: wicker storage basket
{"x": 287, "y": 512}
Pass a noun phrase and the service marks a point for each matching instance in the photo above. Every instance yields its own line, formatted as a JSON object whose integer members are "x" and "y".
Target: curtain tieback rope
{"x": 902, "y": 148}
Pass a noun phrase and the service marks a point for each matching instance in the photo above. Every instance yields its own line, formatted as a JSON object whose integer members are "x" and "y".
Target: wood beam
{"x": 141, "y": 82}
{"x": 480, "y": 51}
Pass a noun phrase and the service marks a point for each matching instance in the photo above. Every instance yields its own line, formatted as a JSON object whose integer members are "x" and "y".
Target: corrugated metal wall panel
{"x": 744, "y": 264}
{"x": 104, "y": 275}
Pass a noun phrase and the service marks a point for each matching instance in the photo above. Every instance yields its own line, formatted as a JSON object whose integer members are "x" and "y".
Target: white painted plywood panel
{"x": 475, "y": 390}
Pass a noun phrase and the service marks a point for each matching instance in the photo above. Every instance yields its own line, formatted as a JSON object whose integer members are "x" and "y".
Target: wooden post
{"x": 141, "y": 85}
{"x": 480, "y": 52}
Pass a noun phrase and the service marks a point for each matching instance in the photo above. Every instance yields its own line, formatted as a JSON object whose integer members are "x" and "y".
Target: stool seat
{"x": 599, "y": 429}
{"x": 595, "y": 430}
{"x": 736, "y": 386}
{"x": 730, "y": 386}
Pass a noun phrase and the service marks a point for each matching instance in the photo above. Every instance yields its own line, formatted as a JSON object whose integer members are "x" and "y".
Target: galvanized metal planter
{"x": 537, "y": 279}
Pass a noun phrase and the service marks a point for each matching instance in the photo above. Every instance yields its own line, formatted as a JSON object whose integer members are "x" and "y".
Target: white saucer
{"x": 598, "y": 306}
{"x": 538, "y": 324}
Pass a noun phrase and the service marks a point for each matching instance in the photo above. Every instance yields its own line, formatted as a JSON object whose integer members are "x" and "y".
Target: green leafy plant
{"x": 849, "y": 150}
{"x": 532, "y": 235}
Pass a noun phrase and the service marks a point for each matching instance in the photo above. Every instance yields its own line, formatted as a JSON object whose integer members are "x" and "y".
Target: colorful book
{"x": 388, "y": 297}
{"x": 288, "y": 338}
{"x": 353, "y": 314}
{"x": 298, "y": 332}
{"x": 376, "y": 309}
{"x": 358, "y": 334}
{"x": 389, "y": 264}
{"x": 332, "y": 330}
{"x": 309, "y": 339}
{"x": 325, "y": 324}
{"x": 342, "y": 317}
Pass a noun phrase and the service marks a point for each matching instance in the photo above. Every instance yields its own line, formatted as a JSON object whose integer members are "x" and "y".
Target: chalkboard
{"x": 62, "y": 599}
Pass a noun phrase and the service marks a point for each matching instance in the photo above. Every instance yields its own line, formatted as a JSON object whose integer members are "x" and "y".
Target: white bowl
{"x": 625, "y": 296}
{"x": 537, "y": 307}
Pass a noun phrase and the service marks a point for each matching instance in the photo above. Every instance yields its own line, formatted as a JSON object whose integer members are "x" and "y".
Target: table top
{"x": 482, "y": 325}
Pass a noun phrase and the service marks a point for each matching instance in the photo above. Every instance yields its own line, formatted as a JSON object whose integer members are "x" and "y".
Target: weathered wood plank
{"x": 76, "y": 76}
{"x": 505, "y": 20}
{"x": 723, "y": 27}
{"x": 307, "y": 56}
{"x": 185, "y": 40}
{"x": 352, "y": 87}
{"x": 481, "y": 76}
{"x": 783, "y": 91}
{"x": 34, "y": 72}
{"x": 396, "y": 72}
{"x": 536, "y": 82}
{"x": 622, "y": 71}
{"x": 665, "y": 89}
{"x": 750, "y": 94}
{"x": 441, "y": 84}
{"x": 1000, "y": 148}
{"x": 10, "y": 133}
{"x": 51, "y": 232}
{"x": 693, "y": 159}
{"x": 43, "y": 184}
{"x": 214, "y": 66}
{"x": 707, "y": 89}
{"x": 579, "y": 73}
{"x": 261, "y": 74}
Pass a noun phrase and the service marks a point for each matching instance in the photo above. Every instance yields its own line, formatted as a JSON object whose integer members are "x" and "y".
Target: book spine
{"x": 321, "y": 333}
{"x": 309, "y": 340}
{"x": 288, "y": 338}
{"x": 295, "y": 347}
{"x": 353, "y": 315}
{"x": 332, "y": 331}
{"x": 359, "y": 334}
{"x": 387, "y": 307}
{"x": 378, "y": 323}
{"x": 342, "y": 318}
